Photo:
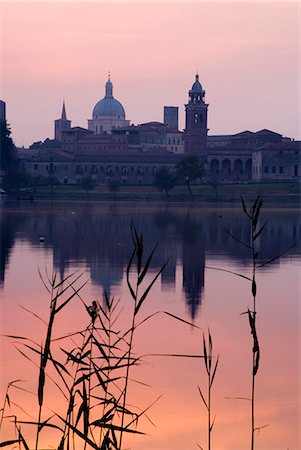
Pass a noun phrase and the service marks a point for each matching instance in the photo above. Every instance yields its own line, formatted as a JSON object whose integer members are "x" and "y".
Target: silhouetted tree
{"x": 7, "y": 147}
{"x": 164, "y": 180}
{"x": 7, "y": 155}
{"x": 214, "y": 183}
{"x": 190, "y": 169}
{"x": 52, "y": 181}
{"x": 113, "y": 185}
{"x": 15, "y": 180}
{"x": 87, "y": 184}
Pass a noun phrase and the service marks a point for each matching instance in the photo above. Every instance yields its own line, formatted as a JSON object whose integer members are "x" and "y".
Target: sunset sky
{"x": 247, "y": 55}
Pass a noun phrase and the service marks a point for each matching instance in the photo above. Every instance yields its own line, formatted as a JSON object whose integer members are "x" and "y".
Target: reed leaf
{"x": 146, "y": 266}
{"x": 70, "y": 298}
{"x": 258, "y": 233}
{"x": 146, "y": 292}
{"x": 128, "y": 276}
{"x": 238, "y": 240}
{"x": 214, "y": 371}
{"x": 229, "y": 271}
{"x": 244, "y": 206}
{"x": 98, "y": 423}
{"x": 21, "y": 438}
{"x": 79, "y": 433}
{"x": 61, "y": 444}
{"x": 203, "y": 398}
{"x": 6, "y": 443}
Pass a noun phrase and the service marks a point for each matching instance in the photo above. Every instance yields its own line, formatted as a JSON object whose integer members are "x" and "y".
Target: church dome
{"x": 197, "y": 87}
{"x": 108, "y": 106}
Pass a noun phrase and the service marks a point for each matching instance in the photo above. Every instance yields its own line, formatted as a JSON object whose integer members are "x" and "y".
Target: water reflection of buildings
{"x": 99, "y": 239}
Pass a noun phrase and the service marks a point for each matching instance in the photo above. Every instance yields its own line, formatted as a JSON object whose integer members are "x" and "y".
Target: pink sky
{"x": 247, "y": 55}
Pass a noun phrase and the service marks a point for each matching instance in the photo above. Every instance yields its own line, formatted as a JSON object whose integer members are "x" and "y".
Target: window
{"x": 281, "y": 169}
{"x": 35, "y": 167}
{"x": 273, "y": 169}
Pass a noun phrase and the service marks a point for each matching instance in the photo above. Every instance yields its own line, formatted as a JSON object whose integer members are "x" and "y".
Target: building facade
{"x": 277, "y": 162}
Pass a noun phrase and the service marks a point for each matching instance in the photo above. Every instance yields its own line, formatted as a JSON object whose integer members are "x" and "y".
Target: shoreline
{"x": 280, "y": 195}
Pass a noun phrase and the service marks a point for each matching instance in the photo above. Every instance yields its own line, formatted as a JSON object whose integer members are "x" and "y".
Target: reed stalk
{"x": 211, "y": 372}
{"x": 141, "y": 269}
{"x": 253, "y": 215}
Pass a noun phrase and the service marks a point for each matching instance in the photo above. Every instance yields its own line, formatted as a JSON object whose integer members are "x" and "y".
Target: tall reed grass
{"x": 91, "y": 368}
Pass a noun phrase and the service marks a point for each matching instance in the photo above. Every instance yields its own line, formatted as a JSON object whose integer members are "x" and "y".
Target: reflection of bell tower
{"x": 193, "y": 275}
{"x": 195, "y": 134}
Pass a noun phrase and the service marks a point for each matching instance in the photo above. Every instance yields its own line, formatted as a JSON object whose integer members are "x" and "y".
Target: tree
{"x": 113, "y": 185}
{"x": 7, "y": 156}
{"x": 7, "y": 147}
{"x": 214, "y": 183}
{"x": 52, "y": 181}
{"x": 164, "y": 180}
{"x": 15, "y": 180}
{"x": 87, "y": 184}
{"x": 190, "y": 169}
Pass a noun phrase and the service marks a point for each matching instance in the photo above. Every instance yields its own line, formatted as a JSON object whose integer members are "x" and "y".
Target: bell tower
{"x": 61, "y": 124}
{"x": 195, "y": 133}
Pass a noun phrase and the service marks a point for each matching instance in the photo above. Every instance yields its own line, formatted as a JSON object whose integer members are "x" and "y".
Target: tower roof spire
{"x": 64, "y": 115}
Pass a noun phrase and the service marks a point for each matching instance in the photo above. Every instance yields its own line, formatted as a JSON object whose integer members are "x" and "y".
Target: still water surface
{"x": 95, "y": 239}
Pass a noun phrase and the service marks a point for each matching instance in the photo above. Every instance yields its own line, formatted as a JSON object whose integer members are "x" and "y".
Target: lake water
{"x": 95, "y": 239}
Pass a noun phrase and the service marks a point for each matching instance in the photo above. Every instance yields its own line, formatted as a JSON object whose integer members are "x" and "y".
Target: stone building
{"x": 277, "y": 162}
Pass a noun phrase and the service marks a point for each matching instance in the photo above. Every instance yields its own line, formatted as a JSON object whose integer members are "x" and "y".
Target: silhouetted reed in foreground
{"x": 211, "y": 371}
{"x": 91, "y": 368}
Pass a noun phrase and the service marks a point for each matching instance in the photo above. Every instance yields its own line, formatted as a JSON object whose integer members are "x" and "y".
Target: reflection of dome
{"x": 108, "y": 106}
{"x": 197, "y": 87}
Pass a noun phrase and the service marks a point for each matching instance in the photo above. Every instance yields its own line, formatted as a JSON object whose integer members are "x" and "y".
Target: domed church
{"x": 108, "y": 113}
